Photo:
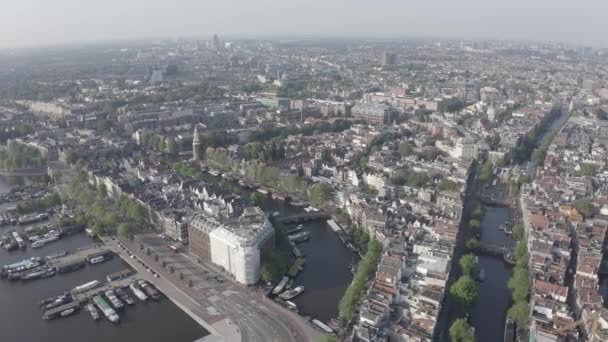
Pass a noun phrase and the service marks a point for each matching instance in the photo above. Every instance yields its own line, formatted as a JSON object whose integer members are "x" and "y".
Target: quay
{"x": 304, "y": 217}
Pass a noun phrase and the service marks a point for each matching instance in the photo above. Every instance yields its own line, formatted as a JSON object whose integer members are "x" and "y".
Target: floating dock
{"x": 56, "y": 312}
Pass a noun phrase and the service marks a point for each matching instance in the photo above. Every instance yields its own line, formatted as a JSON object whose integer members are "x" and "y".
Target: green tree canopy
{"x": 461, "y": 331}
{"x": 125, "y": 231}
{"x": 320, "y": 193}
{"x": 468, "y": 264}
{"x": 464, "y": 290}
{"x": 520, "y": 313}
{"x": 585, "y": 207}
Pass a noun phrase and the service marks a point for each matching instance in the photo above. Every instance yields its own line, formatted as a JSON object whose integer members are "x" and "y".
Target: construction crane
{"x": 594, "y": 318}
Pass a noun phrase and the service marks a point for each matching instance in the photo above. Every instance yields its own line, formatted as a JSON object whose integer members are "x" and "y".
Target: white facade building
{"x": 236, "y": 244}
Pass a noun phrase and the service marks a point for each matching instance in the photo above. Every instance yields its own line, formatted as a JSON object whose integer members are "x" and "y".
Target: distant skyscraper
{"x": 196, "y": 145}
{"x": 389, "y": 58}
{"x": 215, "y": 43}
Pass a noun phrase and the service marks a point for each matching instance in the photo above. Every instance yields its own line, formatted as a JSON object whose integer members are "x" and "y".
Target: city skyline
{"x": 37, "y": 23}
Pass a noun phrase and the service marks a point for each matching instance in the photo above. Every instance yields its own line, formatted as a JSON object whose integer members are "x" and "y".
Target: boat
{"x": 150, "y": 290}
{"x": 16, "y": 272}
{"x": 292, "y": 293}
{"x": 97, "y": 259}
{"x": 67, "y": 312}
{"x": 291, "y": 305}
{"x": 86, "y": 287}
{"x": 322, "y": 326}
{"x": 510, "y": 334}
{"x": 27, "y": 219}
{"x": 124, "y": 296}
{"x": 105, "y": 308}
{"x": 18, "y": 239}
{"x": 52, "y": 299}
{"x": 299, "y": 237}
{"x": 281, "y": 286}
{"x": 59, "y": 301}
{"x": 138, "y": 293}
{"x": 509, "y": 258}
{"x": 116, "y": 303}
{"x": 92, "y": 311}
{"x": 38, "y": 243}
{"x": 501, "y": 227}
{"x": 42, "y": 272}
{"x": 481, "y": 276}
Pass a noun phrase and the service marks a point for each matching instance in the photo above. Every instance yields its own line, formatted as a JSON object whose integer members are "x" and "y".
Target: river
{"x": 20, "y": 317}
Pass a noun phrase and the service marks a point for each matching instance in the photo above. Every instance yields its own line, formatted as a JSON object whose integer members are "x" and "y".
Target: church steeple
{"x": 196, "y": 144}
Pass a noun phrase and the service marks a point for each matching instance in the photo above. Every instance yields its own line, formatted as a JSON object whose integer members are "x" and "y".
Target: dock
{"x": 53, "y": 313}
{"x": 88, "y": 295}
{"x": 68, "y": 258}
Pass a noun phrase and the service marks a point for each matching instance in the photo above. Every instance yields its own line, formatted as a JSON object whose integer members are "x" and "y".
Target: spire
{"x": 196, "y": 145}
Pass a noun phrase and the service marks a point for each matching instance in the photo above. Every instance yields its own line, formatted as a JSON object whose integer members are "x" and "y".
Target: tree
{"x": 472, "y": 244}
{"x": 518, "y": 232}
{"x": 125, "y": 231}
{"x": 461, "y": 331}
{"x": 486, "y": 172}
{"x": 475, "y": 226}
{"x": 320, "y": 193}
{"x": 464, "y": 290}
{"x": 468, "y": 264}
{"x": 520, "y": 313}
{"x": 585, "y": 207}
{"x": 479, "y": 212}
{"x": 257, "y": 198}
{"x": 448, "y": 185}
{"x": 406, "y": 149}
{"x": 172, "y": 146}
{"x": 521, "y": 250}
{"x": 328, "y": 338}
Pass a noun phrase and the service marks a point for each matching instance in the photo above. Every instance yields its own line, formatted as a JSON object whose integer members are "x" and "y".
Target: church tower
{"x": 196, "y": 145}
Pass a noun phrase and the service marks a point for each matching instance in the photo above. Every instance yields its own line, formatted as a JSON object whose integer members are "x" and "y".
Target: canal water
{"x": 21, "y": 318}
{"x": 326, "y": 274}
{"x": 490, "y": 311}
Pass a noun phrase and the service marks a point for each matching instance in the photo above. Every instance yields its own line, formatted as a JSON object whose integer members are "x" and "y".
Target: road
{"x": 227, "y": 309}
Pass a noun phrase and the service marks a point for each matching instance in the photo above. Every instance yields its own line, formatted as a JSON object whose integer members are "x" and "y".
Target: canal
{"x": 21, "y": 318}
{"x": 326, "y": 274}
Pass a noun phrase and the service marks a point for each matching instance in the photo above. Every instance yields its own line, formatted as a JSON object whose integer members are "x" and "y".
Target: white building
{"x": 236, "y": 245}
{"x": 465, "y": 149}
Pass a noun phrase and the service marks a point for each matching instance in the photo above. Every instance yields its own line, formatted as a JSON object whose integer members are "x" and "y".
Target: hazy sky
{"x": 43, "y": 22}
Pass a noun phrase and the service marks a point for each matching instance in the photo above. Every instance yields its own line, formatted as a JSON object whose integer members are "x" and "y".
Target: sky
{"x": 25, "y": 23}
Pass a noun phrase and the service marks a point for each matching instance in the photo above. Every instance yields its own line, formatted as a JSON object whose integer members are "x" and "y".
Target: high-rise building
{"x": 215, "y": 42}
{"x": 389, "y": 58}
{"x": 196, "y": 145}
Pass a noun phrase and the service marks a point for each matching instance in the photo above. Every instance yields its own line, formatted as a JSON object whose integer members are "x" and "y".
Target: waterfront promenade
{"x": 229, "y": 311}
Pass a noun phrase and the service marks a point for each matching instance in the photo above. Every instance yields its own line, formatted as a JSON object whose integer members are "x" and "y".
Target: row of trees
{"x": 108, "y": 216}
{"x": 267, "y": 134}
{"x": 258, "y": 172}
{"x": 520, "y": 287}
{"x": 366, "y": 268}
{"x": 405, "y": 176}
{"x": 159, "y": 143}
{"x": 36, "y": 205}
{"x": 275, "y": 264}
{"x": 265, "y": 153}
{"x": 19, "y": 156}
{"x": 465, "y": 291}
